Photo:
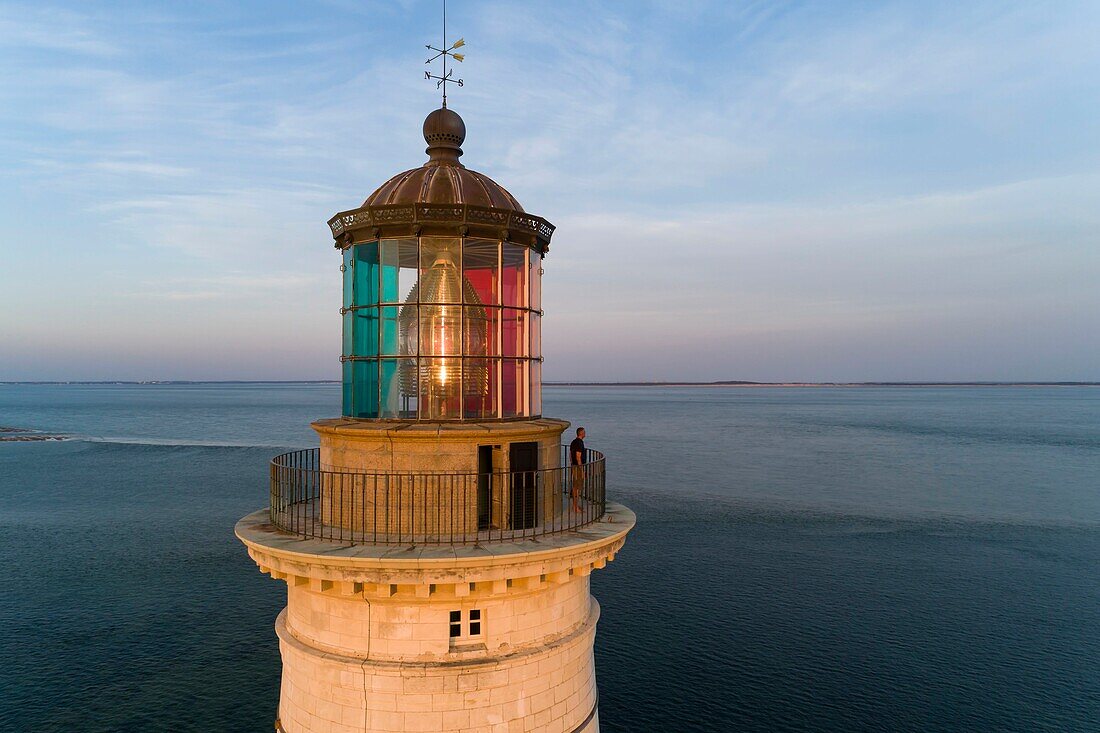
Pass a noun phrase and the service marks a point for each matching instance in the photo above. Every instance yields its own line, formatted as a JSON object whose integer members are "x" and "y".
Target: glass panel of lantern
{"x": 535, "y": 326}
{"x": 393, "y": 341}
{"x": 348, "y": 322}
{"x": 347, "y": 388}
{"x": 366, "y": 274}
{"x": 440, "y": 330}
{"x": 399, "y": 389}
{"x": 535, "y": 280}
{"x": 440, "y": 276}
{"x": 513, "y": 380}
{"x": 364, "y": 380}
{"x": 365, "y": 331}
{"x": 440, "y": 389}
{"x": 481, "y": 328}
{"x": 513, "y": 332}
{"x": 513, "y": 277}
{"x": 480, "y": 386}
{"x": 348, "y": 268}
{"x": 399, "y": 263}
{"x": 481, "y": 268}
{"x": 441, "y": 285}
{"x": 536, "y": 388}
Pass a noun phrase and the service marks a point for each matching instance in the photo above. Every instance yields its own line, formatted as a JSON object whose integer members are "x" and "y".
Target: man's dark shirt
{"x": 577, "y": 446}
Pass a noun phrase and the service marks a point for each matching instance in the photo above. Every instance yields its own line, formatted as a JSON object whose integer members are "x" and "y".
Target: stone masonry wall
{"x": 404, "y": 629}
{"x": 543, "y": 688}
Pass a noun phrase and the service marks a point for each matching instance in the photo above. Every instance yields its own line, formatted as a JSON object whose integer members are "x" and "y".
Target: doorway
{"x": 523, "y": 458}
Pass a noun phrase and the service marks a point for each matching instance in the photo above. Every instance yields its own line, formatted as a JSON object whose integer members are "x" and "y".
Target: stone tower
{"x": 437, "y": 546}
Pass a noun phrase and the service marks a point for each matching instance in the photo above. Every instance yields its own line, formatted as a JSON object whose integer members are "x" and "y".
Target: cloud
{"x": 52, "y": 29}
{"x": 130, "y": 167}
{"x": 237, "y": 286}
{"x": 223, "y": 226}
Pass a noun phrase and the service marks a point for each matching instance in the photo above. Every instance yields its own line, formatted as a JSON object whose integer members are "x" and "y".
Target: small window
{"x": 456, "y": 624}
{"x": 473, "y": 617}
{"x": 475, "y": 622}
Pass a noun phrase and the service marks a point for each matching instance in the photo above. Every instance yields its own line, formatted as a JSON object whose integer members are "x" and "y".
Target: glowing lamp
{"x": 437, "y": 329}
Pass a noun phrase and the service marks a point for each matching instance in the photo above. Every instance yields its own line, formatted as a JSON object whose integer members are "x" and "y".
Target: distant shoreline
{"x": 730, "y": 383}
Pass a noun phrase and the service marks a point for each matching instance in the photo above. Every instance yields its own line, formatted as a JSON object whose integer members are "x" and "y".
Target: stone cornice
{"x": 435, "y": 571}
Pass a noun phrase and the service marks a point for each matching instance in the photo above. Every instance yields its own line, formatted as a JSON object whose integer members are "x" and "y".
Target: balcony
{"x": 313, "y": 502}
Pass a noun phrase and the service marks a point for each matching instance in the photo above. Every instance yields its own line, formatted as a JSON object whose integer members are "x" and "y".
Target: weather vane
{"x": 444, "y": 53}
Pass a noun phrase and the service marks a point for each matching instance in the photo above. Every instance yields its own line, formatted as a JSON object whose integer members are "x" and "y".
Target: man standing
{"x": 578, "y": 456}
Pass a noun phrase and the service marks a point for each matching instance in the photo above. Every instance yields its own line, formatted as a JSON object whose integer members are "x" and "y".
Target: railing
{"x": 433, "y": 508}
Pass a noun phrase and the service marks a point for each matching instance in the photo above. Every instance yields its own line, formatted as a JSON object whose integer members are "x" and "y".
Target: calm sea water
{"x": 852, "y": 559}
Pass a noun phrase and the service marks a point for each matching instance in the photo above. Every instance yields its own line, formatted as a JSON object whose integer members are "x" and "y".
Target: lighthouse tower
{"x": 437, "y": 569}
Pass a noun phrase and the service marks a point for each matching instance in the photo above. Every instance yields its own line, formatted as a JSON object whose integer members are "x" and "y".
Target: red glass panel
{"x": 536, "y": 280}
{"x": 480, "y": 379}
{"x": 513, "y": 276}
{"x": 481, "y": 268}
{"x": 513, "y": 379}
{"x": 513, "y": 339}
{"x": 481, "y": 327}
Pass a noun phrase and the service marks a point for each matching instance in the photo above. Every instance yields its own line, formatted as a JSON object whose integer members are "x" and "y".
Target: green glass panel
{"x": 365, "y": 332}
{"x": 366, "y": 273}
{"x": 390, "y": 266}
{"x": 399, "y": 263}
{"x": 347, "y": 388}
{"x": 391, "y": 330}
{"x": 348, "y": 268}
{"x": 481, "y": 269}
{"x": 348, "y": 319}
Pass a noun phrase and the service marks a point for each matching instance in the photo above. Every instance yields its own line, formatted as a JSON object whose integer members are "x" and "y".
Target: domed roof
{"x": 442, "y": 197}
{"x": 443, "y": 180}
{"x": 443, "y": 184}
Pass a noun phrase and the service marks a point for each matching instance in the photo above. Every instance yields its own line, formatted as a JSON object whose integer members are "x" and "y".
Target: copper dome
{"x": 443, "y": 183}
{"x": 441, "y": 197}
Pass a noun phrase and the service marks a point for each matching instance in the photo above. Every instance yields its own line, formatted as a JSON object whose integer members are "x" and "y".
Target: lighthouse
{"x": 437, "y": 545}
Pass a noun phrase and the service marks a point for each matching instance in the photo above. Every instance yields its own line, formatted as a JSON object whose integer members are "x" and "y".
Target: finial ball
{"x": 443, "y": 128}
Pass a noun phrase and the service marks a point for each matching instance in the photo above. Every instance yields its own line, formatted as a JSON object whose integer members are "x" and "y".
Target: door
{"x": 484, "y": 482}
{"x": 523, "y": 458}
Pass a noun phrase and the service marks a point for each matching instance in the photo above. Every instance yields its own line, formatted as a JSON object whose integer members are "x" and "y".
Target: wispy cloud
{"x": 131, "y": 167}
{"x": 235, "y": 287}
{"x": 51, "y": 29}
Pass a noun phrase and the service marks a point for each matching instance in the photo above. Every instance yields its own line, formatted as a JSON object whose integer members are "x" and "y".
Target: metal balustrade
{"x": 355, "y": 507}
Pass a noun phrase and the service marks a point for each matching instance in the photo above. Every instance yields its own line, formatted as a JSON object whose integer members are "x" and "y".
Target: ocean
{"x": 806, "y": 559}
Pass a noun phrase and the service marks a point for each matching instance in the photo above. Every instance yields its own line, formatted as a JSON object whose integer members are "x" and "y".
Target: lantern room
{"x": 441, "y": 294}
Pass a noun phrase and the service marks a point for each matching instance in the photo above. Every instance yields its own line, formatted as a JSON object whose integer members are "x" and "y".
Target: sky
{"x": 767, "y": 191}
